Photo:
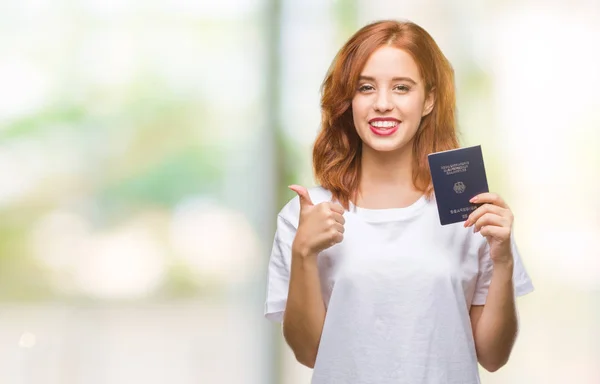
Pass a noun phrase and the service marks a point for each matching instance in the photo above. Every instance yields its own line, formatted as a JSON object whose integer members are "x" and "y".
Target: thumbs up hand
{"x": 321, "y": 226}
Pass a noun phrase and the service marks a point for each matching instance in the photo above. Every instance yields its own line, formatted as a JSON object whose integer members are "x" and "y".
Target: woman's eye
{"x": 402, "y": 88}
{"x": 368, "y": 88}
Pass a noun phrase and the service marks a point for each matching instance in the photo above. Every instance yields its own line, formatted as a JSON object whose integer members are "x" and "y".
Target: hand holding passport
{"x": 457, "y": 176}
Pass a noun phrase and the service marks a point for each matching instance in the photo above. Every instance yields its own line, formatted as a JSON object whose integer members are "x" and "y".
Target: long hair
{"x": 337, "y": 149}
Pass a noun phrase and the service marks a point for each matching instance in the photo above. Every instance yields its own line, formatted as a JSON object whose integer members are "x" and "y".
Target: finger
{"x": 338, "y": 218}
{"x": 485, "y": 208}
{"x": 335, "y": 220}
{"x": 334, "y": 236}
{"x": 490, "y": 219}
{"x": 337, "y": 208}
{"x": 495, "y": 232}
{"x": 488, "y": 197}
{"x": 302, "y": 194}
{"x": 339, "y": 227}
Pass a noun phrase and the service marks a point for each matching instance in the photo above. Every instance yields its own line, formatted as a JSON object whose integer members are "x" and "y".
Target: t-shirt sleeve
{"x": 521, "y": 280}
{"x": 278, "y": 274}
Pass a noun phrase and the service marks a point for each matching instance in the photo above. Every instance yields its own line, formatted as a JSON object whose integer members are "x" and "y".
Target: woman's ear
{"x": 429, "y": 103}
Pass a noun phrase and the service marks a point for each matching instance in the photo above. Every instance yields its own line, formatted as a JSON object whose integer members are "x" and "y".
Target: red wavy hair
{"x": 337, "y": 149}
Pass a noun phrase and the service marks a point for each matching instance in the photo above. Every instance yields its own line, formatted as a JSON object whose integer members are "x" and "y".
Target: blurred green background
{"x": 146, "y": 148}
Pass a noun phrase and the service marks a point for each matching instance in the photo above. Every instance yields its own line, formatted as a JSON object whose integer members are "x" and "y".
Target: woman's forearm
{"x": 496, "y": 329}
{"x": 305, "y": 311}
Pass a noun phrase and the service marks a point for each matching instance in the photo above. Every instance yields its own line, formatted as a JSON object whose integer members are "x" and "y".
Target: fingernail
{"x": 474, "y": 199}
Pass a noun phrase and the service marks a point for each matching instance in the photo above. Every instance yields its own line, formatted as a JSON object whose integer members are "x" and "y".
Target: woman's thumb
{"x": 302, "y": 194}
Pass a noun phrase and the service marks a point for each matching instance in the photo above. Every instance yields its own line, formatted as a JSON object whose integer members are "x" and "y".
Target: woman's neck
{"x": 386, "y": 179}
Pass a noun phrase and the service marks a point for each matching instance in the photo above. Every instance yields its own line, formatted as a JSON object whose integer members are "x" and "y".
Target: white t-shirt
{"x": 397, "y": 290}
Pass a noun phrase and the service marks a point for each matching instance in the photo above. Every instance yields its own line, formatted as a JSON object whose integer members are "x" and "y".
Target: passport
{"x": 457, "y": 176}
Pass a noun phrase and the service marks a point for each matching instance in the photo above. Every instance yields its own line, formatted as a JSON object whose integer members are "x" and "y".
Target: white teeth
{"x": 384, "y": 124}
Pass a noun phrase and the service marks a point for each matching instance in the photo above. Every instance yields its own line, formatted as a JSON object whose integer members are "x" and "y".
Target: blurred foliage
{"x": 346, "y": 19}
{"x": 147, "y": 153}
{"x": 179, "y": 283}
{"x": 21, "y": 278}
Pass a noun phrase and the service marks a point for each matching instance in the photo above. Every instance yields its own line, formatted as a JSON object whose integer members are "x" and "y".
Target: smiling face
{"x": 390, "y": 101}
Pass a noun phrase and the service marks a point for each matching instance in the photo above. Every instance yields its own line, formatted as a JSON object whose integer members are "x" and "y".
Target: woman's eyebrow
{"x": 371, "y": 78}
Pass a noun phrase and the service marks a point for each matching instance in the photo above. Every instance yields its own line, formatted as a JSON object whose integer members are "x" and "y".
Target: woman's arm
{"x": 304, "y": 314}
{"x": 495, "y": 324}
{"x": 319, "y": 227}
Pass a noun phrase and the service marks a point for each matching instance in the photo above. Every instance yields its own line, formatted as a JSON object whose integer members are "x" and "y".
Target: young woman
{"x": 369, "y": 286}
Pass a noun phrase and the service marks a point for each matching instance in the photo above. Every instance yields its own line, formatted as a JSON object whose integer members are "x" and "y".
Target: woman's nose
{"x": 383, "y": 103}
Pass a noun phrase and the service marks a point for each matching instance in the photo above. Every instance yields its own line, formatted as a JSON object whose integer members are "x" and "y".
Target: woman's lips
{"x": 384, "y": 131}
